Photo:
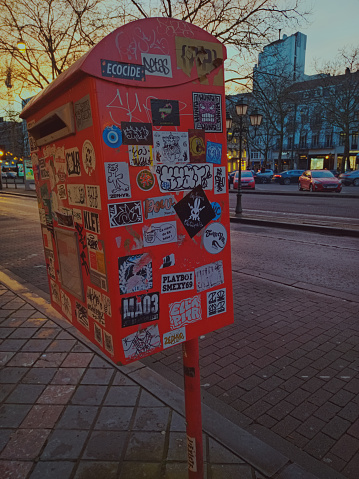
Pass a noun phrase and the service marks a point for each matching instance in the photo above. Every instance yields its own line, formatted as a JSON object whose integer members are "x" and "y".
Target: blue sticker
{"x": 217, "y": 209}
{"x": 214, "y": 152}
{"x": 112, "y": 136}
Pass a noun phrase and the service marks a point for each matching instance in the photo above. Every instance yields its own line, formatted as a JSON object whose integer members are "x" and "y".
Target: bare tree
{"x": 339, "y": 97}
{"x": 57, "y": 32}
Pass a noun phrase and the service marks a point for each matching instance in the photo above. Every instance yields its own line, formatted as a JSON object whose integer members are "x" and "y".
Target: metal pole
{"x": 239, "y": 192}
{"x": 192, "y": 392}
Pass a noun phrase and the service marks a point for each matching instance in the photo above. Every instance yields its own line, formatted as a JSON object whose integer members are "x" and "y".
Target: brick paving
{"x": 287, "y": 369}
{"x": 66, "y": 412}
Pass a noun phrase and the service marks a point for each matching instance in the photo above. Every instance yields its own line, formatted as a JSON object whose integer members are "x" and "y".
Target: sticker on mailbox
{"x": 140, "y": 309}
{"x": 127, "y": 71}
{"x": 174, "y": 337}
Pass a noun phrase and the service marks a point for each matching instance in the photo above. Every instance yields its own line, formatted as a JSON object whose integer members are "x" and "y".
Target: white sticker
{"x": 160, "y": 233}
{"x": 88, "y": 157}
{"x": 215, "y": 238}
{"x": 66, "y": 305}
{"x": 177, "y": 282}
{"x": 157, "y": 65}
{"x": 117, "y": 180}
{"x": 98, "y": 334}
{"x": 184, "y": 177}
{"x": 216, "y": 302}
{"x": 142, "y": 342}
{"x": 170, "y": 147}
{"x": 81, "y": 315}
{"x": 76, "y": 195}
{"x": 108, "y": 342}
{"x": 209, "y": 275}
{"x": 174, "y": 337}
{"x": 77, "y": 215}
{"x": 191, "y": 454}
{"x": 95, "y": 305}
{"x": 93, "y": 197}
{"x": 219, "y": 180}
{"x": 73, "y": 162}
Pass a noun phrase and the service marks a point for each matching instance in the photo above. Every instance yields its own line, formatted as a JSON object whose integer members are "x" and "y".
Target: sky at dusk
{"x": 333, "y": 25}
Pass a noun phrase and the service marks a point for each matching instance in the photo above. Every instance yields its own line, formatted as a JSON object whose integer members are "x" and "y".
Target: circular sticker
{"x": 217, "y": 210}
{"x": 145, "y": 180}
{"x": 88, "y": 157}
{"x": 112, "y": 136}
{"x": 215, "y": 238}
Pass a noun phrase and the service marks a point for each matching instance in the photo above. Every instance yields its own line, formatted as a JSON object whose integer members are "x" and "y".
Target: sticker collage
{"x": 134, "y": 206}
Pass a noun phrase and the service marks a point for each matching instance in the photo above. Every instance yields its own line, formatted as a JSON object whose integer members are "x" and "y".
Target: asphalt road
{"x": 316, "y": 259}
{"x": 328, "y": 261}
{"x": 316, "y": 204}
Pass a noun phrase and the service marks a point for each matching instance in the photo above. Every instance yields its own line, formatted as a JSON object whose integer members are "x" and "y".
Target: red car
{"x": 247, "y": 180}
{"x": 319, "y": 180}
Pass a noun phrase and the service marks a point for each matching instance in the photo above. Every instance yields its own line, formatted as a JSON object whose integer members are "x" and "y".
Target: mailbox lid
{"x": 180, "y": 53}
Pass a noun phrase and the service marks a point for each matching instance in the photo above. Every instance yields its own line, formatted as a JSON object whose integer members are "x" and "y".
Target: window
{"x": 329, "y": 139}
{"x": 354, "y": 145}
{"x": 303, "y": 141}
{"x": 342, "y": 139}
{"x": 315, "y": 140}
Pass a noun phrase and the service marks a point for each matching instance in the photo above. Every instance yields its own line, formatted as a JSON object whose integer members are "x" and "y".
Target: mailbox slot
{"x": 53, "y": 126}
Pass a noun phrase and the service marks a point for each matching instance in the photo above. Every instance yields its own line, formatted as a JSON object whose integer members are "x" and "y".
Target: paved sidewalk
{"x": 68, "y": 413}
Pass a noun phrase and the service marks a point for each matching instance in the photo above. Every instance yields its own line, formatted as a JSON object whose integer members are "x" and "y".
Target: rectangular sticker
{"x": 134, "y": 133}
{"x": 91, "y": 221}
{"x": 93, "y": 197}
{"x": 197, "y": 146}
{"x": 216, "y": 302}
{"x": 186, "y": 177}
{"x": 160, "y": 233}
{"x": 117, "y": 180}
{"x": 157, "y": 65}
{"x": 135, "y": 273}
{"x": 66, "y": 305}
{"x": 81, "y": 315}
{"x": 96, "y": 253}
{"x": 209, "y": 275}
{"x": 214, "y": 152}
{"x": 55, "y": 292}
{"x": 207, "y": 112}
{"x": 141, "y": 343}
{"x": 220, "y": 180}
{"x": 76, "y": 195}
{"x": 186, "y": 311}
{"x": 174, "y": 337}
{"x": 159, "y": 207}
{"x": 170, "y": 147}
{"x": 128, "y": 71}
{"x": 95, "y": 305}
{"x": 108, "y": 342}
{"x": 98, "y": 334}
{"x": 140, "y": 309}
{"x": 165, "y": 112}
{"x": 73, "y": 163}
{"x": 61, "y": 191}
{"x": 177, "y": 282}
{"x": 140, "y": 155}
{"x": 83, "y": 114}
{"x": 77, "y": 215}
{"x": 122, "y": 214}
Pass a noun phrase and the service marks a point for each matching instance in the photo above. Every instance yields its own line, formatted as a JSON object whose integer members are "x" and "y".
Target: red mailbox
{"x": 129, "y": 157}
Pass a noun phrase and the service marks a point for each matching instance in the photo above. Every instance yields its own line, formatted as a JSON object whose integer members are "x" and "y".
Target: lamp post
{"x": 255, "y": 119}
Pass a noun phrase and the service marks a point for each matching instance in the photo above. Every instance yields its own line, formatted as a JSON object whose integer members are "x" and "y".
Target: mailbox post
{"x": 128, "y": 149}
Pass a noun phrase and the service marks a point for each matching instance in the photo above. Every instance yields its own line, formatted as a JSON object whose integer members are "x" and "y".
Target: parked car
{"x": 263, "y": 176}
{"x": 351, "y": 178}
{"x": 319, "y": 180}
{"x": 231, "y": 177}
{"x": 247, "y": 180}
{"x": 11, "y": 174}
{"x": 287, "y": 177}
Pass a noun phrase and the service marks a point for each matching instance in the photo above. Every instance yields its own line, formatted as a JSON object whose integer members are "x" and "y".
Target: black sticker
{"x": 136, "y": 133}
{"x": 195, "y": 211}
{"x": 128, "y": 71}
{"x": 140, "y": 309}
{"x": 165, "y": 112}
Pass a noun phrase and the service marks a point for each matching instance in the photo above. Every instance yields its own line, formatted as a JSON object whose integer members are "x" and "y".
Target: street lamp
{"x": 255, "y": 119}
